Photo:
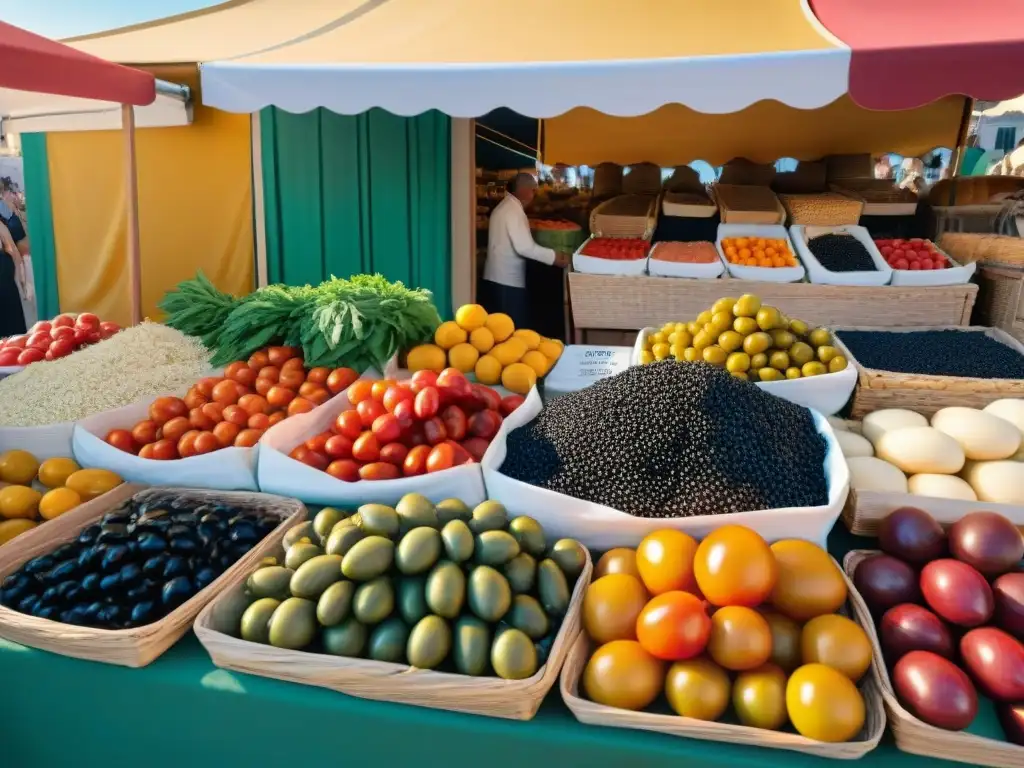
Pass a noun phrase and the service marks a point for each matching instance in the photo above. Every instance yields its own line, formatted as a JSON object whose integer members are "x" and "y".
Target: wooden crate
{"x": 623, "y": 303}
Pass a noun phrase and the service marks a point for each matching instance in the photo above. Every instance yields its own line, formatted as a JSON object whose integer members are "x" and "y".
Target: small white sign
{"x": 583, "y": 364}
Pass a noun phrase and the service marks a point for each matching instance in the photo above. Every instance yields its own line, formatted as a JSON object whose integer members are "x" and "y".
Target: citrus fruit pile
{"x": 758, "y": 252}
{"x": 490, "y": 347}
{"x": 31, "y": 491}
{"x": 752, "y": 341}
{"x": 727, "y": 622}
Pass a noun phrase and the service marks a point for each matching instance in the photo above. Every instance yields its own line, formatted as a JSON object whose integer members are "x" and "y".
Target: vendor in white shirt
{"x": 509, "y": 243}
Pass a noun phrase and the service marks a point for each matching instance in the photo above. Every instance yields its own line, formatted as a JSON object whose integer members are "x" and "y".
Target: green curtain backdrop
{"x": 40, "y": 223}
{"x": 365, "y": 193}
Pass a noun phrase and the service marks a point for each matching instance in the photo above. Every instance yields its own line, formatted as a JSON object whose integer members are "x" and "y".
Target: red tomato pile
{"x": 553, "y": 224}
{"x": 233, "y": 410}
{"x": 616, "y": 248}
{"x": 54, "y": 339}
{"x": 429, "y": 423}
{"x": 915, "y": 254}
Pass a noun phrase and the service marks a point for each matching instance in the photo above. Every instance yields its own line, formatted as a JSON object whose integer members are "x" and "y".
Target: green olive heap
{"x": 433, "y": 586}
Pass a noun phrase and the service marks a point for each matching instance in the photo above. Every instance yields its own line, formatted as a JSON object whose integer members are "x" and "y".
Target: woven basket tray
{"x": 625, "y": 216}
{"x": 967, "y": 248}
{"x": 827, "y": 209}
{"x": 489, "y": 696}
{"x": 741, "y": 204}
{"x": 926, "y": 394}
{"x": 589, "y": 712}
{"x": 913, "y": 735}
{"x": 879, "y": 196}
{"x": 140, "y": 646}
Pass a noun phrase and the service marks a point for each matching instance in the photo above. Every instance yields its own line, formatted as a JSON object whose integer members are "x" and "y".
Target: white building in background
{"x": 1001, "y": 127}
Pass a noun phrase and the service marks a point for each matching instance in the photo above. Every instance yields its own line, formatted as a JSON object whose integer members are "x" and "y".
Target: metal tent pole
{"x": 132, "y": 210}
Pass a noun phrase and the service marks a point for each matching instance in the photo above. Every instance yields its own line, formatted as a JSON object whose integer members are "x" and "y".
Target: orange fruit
{"x": 611, "y": 606}
{"x": 665, "y": 561}
{"x": 734, "y": 566}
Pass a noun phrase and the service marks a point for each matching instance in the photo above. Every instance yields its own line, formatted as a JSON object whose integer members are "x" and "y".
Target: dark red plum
{"x": 957, "y": 593}
{"x": 1008, "y": 591}
{"x": 935, "y": 690}
{"x": 912, "y": 535}
{"x": 988, "y": 542}
{"x": 907, "y": 627}
{"x": 884, "y": 581}
{"x": 996, "y": 663}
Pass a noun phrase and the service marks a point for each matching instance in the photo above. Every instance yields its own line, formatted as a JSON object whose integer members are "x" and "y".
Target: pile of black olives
{"x": 139, "y": 563}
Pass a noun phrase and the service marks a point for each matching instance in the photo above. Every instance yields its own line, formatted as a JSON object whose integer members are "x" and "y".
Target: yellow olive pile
{"x": 750, "y": 340}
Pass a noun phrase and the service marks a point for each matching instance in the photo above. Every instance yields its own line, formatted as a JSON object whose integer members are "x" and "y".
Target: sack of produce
{"x": 449, "y": 606}
{"x": 557, "y": 234}
{"x": 382, "y": 439}
{"x": 40, "y": 405}
{"x": 682, "y": 445}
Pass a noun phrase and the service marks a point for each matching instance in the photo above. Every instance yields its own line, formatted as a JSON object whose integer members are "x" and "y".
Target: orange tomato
{"x": 281, "y": 355}
{"x": 740, "y": 638}
{"x": 146, "y": 452}
{"x": 164, "y": 450}
{"x": 623, "y": 675}
{"x": 618, "y": 560}
{"x": 213, "y": 411}
{"x": 339, "y": 379}
{"x": 786, "y": 651}
{"x": 734, "y": 566}
{"x": 242, "y": 390}
{"x": 175, "y": 428}
{"x": 611, "y": 607}
{"x": 836, "y": 642}
{"x": 697, "y": 688}
{"x": 294, "y": 363}
{"x": 234, "y": 368}
{"x": 195, "y": 399}
{"x": 300, "y": 405}
{"x": 262, "y": 386}
{"x": 206, "y": 442}
{"x": 247, "y": 438}
{"x": 279, "y": 397}
{"x": 809, "y": 583}
{"x": 258, "y": 421}
{"x": 316, "y": 394}
{"x": 163, "y": 409}
{"x": 343, "y": 469}
{"x": 673, "y": 626}
{"x": 146, "y": 432}
{"x": 253, "y": 404}
{"x": 270, "y": 372}
{"x": 258, "y": 360}
{"x": 318, "y": 375}
{"x": 277, "y": 417}
{"x": 378, "y": 388}
{"x": 292, "y": 378}
{"x": 205, "y": 386}
{"x": 665, "y": 561}
{"x": 226, "y": 393}
{"x": 379, "y": 470}
{"x": 236, "y": 415}
{"x": 200, "y": 420}
{"x": 359, "y": 391}
{"x": 122, "y": 440}
{"x": 226, "y": 432}
{"x": 187, "y": 444}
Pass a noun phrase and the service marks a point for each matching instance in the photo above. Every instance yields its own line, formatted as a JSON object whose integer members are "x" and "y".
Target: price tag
{"x": 583, "y": 364}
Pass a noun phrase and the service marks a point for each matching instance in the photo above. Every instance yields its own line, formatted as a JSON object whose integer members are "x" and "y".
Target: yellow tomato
{"x": 618, "y": 560}
{"x": 53, "y": 473}
{"x": 621, "y": 674}
{"x": 734, "y": 566}
{"x": 697, "y": 688}
{"x": 759, "y": 697}
{"x": 665, "y": 561}
{"x": 611, "y": 606}
{"x": 809, "y": 583}
{"x": 90, "y": 483}
{"x": 836, "y": 642}
{"x": 740, "y": 638}
{"x": 824, "y": 704}
{"x": 57, "y": 501}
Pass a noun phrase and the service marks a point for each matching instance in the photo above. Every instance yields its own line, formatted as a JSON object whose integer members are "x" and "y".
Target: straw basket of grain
{"x": 139, "y": 646}
{"x": 825, "y": 209}
{"x": 913, "y": 735}
{"x": 589, "y": 712}
{"x": 625, "y": 216}
{"x": 217, "y": 626}
{"x": 748, "y": 204}
{"x": 878, "y": 389}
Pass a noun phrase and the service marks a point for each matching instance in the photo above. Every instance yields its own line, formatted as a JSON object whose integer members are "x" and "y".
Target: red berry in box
{"x": 510, "y": 403}
{"x": 485, "y": 424}
{"x": 490, "y": 398}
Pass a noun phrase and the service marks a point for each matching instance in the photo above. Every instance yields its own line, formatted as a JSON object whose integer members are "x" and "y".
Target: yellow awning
{"x": 675, "y": 135}
{"x": 540, "y": 58}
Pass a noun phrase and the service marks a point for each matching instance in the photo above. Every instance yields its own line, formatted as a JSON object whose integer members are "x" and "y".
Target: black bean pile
{"x": 673, "y": 439}
{"x": 935, "y": 353}
{"x": 842, "y": 253}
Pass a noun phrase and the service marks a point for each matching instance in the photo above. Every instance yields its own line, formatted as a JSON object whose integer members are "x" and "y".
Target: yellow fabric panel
{"x": 764, "y": 132}
{"x": 195, "y": 210}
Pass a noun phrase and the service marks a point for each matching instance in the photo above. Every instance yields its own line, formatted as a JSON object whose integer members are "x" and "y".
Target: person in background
{"x": 509, "y": 243}
{"x": 12, "y": 277}
{"x": 883, "y": 168}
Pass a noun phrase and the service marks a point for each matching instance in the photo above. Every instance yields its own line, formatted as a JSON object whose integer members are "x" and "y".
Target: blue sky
{"x": 64, "y": 18}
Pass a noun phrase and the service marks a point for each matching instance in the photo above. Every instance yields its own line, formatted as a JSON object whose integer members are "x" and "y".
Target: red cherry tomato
{"x": 476, "y": 446}
{"x": 62, "y": 321}
{"x": 40, "y": 339}
{"x": 30, "y": 355}
{"x": 122, "y": 440}
{"x": 108, "y": 329}
{"x": 339, "y": 379}
{"x": 510, "y": 403}
{"x": 318, "y": 442}
{"x": 405, "y": 412}
{"x": 315, "y": 459}
{"x": 174, "y": 428}
{"x": 396, "y": 395}
{"x": 348, "y": 424}
{"x": 416, "y": 461}
{"x": 427, "y": 402}
{"x": 434, "y": 431}
{"x": 490, "y": 398}
{"x": 369, "y": 410}
{"x": 394, "y": 453}
{"x": 673, "y": 626}
{"x": 460, "y": 455}
{"x": 165, "y": 450}
{"x": 380, "y": 387}
{"x": 62, "y": 332}
{"x": 9, "y": 357}
{"x": 87, "y": 320}
{"x": 423, "y": 379}
{"x": 366, "y": 448}
{"x": 386, "y": 428}
{"x": 455, "y": 422}
{"x": 455, "y": 380}
{"x": 338, "y": 447}
{"x": 344, "y": 469}
{"x": 414, "y": 435}
{"x": 441, "y": 457}
{"x": 379, "y": 470}
{"x": 485, "y": 424}
{"x": 16, "y": 341}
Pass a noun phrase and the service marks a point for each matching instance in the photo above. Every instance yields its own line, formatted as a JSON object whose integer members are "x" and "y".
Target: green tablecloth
{"x": 181, "y": 711}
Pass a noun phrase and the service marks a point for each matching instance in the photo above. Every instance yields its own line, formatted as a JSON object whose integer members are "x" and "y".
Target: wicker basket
{"x": 878, "y": 389}
{"x": 842, "y": 167}
{"x": 642, "y": 179}
{"x": 967, "y": 248}
{"x": 625, "y": 216}
{"x": 879, "y": 196}
{"x": 915, "y": 736}
{"x": 747, "y": 204}
{"x": 607, "y": 180}
{"x": 140, "y": 646}
{"x": 827, "y": 209}
{"x": 381, "y": 681}
{"x": 745, "y": 173}
{"x": 691, "y": 205}
{"x": 589, "y": 712}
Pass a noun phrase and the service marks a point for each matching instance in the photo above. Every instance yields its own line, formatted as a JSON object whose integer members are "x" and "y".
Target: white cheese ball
{"x": 1011, "y": 409}
{"x": 941, "y": 486}
{"x": 918, "y": 450}
{"x": 870, "y": 474}
{"x": 1001, "y": 482}
{"x": 878, "y": 423}
{"x": 983, "y": 436}
{"x": 853, "y": 445}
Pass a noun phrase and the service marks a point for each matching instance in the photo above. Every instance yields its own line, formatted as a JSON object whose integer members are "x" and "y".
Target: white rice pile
{"x": 147, "y": 360}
